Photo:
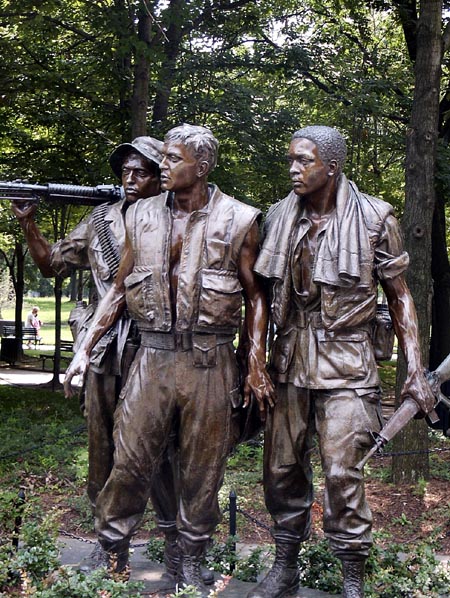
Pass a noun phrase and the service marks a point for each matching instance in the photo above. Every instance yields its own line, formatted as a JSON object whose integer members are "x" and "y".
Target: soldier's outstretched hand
{"x": 78, "y": 367}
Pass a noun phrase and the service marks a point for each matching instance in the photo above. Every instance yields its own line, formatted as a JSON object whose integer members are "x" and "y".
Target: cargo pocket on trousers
{"x": 367, "y": 417}
{"x": 283, "y": 351}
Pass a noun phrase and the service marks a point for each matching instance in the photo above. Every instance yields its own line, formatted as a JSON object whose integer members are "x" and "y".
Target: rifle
{"x": 409, "y": 408}
{"x": 63, "y": 194}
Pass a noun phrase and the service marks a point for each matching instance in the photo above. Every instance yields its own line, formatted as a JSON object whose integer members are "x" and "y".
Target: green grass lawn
{"x": 47, "y": 315}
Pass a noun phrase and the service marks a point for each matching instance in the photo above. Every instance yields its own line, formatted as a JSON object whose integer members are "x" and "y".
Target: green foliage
{"x": 38, "y": 552}
{"x": 269, "y": 66}
{"x": 400, "y": 571}
{"x": 319, "y": 569}
{"x": 155, "y": 550}
{"x": 439, "y": 466}
{"x": 401, "y": 520}
{"x": 220, "y": 557}
{"x": 246, "y": 456}
{"x": 83, "y": 517}
{"x": 72, "y": 584}
{"x": 223, "y": 558}
{"x": 397, "y": 571}
{"x": 34, "y": 569}
{"x": 248, "y": 568}
{"x": 187, "y": 592}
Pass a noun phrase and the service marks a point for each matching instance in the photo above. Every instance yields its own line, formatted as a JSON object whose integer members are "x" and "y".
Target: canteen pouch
{"x": 383, "y": 334}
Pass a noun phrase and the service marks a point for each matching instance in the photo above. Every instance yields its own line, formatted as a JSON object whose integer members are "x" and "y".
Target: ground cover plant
{"x": 43, "y": 453}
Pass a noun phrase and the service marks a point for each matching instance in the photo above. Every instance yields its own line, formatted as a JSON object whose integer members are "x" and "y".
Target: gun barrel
{"x": 72, "y": 194}
{"x": 443, "y": 370}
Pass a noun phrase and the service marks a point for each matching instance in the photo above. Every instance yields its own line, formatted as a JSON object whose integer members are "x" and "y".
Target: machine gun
{"x": 409, "y": 408}
{"x": 62, "y": 194}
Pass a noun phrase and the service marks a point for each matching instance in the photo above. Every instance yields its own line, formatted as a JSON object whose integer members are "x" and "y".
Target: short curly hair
{"x": 199, "y": 139}
{"x": 329, "y": 142}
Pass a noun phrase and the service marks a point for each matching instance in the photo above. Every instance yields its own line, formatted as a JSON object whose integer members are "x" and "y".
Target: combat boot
{"x": 283, "y": 579}
{"x": 172, "y": 562}
{"x": 353, "y": 572}
{"x": 96, "y": 559}
{"x": 114, "y": 562}
{"x": 191, "y": 575}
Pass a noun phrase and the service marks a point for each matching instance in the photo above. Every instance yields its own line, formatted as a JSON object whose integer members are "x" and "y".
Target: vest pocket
{"x": 139, "y": 294}
{"x": 343, "y": 355}
{"x": 220, "y": 299}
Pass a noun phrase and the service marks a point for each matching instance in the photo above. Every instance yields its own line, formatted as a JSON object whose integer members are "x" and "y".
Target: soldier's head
{"x": 137, "y": 165}
{"x": 316, "y": 156}
{"x": 189, "y": 153}
{"x": 329, "y": 142}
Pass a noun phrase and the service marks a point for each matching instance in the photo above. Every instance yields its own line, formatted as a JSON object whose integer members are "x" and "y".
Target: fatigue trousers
{"x": 342, "y": 420}
{"x": 102, "y": 396}
{"x": 164, "y": 386}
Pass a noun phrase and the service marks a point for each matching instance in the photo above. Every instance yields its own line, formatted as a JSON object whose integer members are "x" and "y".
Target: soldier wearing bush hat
{"x": 148, "y": 147}
{"x": 137, "y": 165}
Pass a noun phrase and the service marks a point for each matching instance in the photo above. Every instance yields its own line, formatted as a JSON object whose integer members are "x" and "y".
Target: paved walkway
{"x": 73, "y": 551}
{"x": 14, "y": 376}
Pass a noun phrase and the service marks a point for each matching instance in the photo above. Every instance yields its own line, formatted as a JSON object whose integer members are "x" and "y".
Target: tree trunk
{"x": 139, "y": 101}
{"x": 172, "y": 48}
{"x": 122, "y": 23}
{"x": 421, "y": 147}
{"x": 440, "y": 271}
{"x": 74, "y": 285}
{"x": 58, "y": 294}
{"x": 56, "y": 383}
{"x": 19, "y": 286}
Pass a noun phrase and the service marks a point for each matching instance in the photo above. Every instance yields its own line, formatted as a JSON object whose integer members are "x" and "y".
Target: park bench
{"x": 66, "y": 346}
{"x": 29, "y": 334}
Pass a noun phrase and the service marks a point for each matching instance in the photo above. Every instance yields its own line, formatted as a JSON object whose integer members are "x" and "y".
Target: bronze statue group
{"x": 172, "y": 263}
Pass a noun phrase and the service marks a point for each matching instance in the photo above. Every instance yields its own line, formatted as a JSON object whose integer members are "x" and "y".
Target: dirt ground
{"x": 408, "y": 514}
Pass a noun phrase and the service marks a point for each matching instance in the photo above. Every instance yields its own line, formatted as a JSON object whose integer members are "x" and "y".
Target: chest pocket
{"x": 96, "y": 257}
{"x": 220, "y": 301}
{"x": 140, "y": 295}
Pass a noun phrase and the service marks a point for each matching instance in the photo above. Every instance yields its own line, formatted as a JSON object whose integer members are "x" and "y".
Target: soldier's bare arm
{"x": 108, "y": 312}
{"x": 38, "y": 246}
{"x": 257, "y": 381}
{"x": 404, "y": 318}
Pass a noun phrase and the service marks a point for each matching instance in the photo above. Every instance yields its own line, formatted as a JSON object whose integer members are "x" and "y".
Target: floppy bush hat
{"x": 148, "y": 147}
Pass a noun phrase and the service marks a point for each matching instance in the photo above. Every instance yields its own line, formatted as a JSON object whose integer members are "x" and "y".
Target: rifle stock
{"x": 409, "y": 408}
{"x": 62, "y": 194}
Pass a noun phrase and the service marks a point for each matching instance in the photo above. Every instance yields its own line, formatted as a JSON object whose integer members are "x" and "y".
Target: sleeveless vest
{"x": 209, "y": 295}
